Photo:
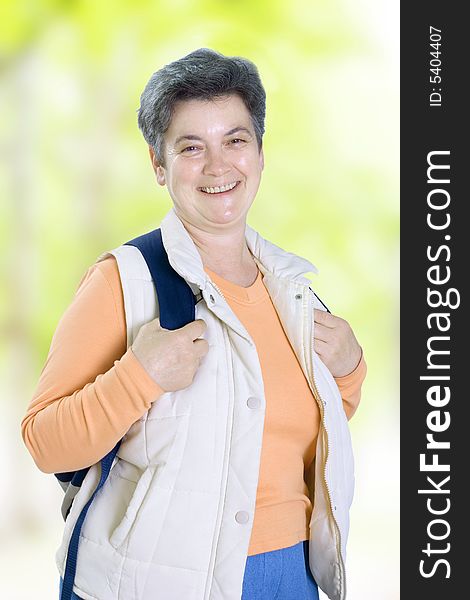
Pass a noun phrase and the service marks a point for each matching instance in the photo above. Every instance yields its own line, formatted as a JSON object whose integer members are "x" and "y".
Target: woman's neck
{"x": 226, "y": 254}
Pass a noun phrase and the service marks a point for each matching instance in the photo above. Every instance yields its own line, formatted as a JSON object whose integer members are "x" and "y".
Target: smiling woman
{"x": 234, "y": 477}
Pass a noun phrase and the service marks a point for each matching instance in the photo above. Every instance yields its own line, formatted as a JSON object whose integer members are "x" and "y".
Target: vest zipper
{"x": 320, "y": 403}
{"x": 207, "y": 591}
{"x": 219, "y": 290}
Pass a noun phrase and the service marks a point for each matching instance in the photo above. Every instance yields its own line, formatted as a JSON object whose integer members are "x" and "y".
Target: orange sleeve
{"x": 91, "y": 389}
{"x": 350, "y": 387}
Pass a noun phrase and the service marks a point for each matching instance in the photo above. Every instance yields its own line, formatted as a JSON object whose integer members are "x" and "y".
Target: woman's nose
{"x": 216, "y": 163}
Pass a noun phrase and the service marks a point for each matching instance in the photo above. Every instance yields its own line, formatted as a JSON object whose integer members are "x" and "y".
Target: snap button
{"x": 253, "y": 402}
{"x": 298, "y": 296}
{"x": 242, "y": 517}
{"x": 211, "y": 298}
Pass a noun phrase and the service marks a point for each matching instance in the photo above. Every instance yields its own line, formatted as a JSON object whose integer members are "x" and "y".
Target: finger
{"x": 324, "y": 317}
{"x": 321, "y": 332}
{"x": 201, "y": 347}
{"x": 195, "y": 329}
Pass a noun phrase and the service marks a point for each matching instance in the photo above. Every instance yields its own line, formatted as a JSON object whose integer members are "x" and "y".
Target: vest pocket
{"x": 141, "y": 489}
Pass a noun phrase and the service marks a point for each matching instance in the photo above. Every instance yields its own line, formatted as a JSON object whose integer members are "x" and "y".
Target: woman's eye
{"x": 234, "y": 142}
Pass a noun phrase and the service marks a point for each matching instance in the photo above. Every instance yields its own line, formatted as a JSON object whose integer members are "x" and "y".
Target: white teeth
{"x": 217, "y": 189}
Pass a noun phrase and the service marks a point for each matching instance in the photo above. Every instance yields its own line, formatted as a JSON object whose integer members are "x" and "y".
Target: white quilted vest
{"x": 174, "y": 519}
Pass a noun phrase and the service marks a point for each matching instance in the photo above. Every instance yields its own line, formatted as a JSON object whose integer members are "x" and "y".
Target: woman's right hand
{"x": 171, "y": 357}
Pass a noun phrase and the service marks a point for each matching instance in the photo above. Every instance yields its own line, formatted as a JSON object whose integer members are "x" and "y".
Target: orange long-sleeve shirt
{"x": 91, "y": 390}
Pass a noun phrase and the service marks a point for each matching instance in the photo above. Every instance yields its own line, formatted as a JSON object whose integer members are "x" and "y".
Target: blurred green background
{"x": 76, "y": 180}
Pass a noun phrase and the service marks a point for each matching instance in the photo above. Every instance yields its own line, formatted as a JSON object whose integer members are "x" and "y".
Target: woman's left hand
{"x": 335, "y": 343}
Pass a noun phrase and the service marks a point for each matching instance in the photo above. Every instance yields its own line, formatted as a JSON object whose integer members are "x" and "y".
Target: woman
{"x": 235, "y": 475}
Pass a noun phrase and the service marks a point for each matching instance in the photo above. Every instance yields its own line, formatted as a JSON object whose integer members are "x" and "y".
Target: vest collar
{"x": 184, "y": 256}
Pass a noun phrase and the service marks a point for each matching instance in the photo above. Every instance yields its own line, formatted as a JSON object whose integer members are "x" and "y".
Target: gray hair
{"x": 201, "y": 75}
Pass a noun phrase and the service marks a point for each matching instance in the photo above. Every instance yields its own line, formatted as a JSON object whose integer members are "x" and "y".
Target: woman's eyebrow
{"x": 191, "y": 136}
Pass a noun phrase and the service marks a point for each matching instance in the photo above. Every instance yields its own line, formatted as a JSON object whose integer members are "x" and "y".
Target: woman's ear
{"x": 159, "y": 170}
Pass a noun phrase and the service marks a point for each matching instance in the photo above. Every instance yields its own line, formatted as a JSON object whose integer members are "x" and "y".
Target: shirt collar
{"x": 184, "y": 256}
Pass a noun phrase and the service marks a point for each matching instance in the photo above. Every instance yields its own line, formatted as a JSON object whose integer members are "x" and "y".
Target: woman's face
{"x": 211, "y": 144}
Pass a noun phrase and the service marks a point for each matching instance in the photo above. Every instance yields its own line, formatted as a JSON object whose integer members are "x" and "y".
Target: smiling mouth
{"x": 223, "y": 189}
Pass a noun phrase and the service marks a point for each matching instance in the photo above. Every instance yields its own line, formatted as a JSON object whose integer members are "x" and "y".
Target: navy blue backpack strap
{"x": 71, "y": 483}
{"x": 74, "y": 477}
{"x": 177, "y": 308}
{"x": 71, "y": 565}
{"x": 175, "y": 298}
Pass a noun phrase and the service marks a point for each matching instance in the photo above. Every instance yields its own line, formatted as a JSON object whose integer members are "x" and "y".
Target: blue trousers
{"x": 277, "y": 575}
{"x": 280, "y": 575}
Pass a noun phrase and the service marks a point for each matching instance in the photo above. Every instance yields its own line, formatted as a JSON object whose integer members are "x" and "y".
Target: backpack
{"x": 176, "y": 303}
